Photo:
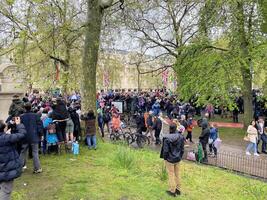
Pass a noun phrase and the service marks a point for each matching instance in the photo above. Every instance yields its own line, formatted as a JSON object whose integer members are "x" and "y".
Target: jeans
{"x": 204, "y": 146}
{"x": 213, "y": 148}
{"x": 250, "y": 146}
{"x": 91, "y": 141}
{"x": 5, "y": 190}
{"x": 157, "y": 133}
{"x": 174, "y": 176}
{"x": 262, "y": 138}
{"x": 35, "y": 154}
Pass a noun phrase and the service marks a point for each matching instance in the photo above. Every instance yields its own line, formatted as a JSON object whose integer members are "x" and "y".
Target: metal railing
{"x": 249, "y": 165}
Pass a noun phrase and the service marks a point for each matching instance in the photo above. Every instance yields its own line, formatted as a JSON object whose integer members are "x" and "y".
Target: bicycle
{"x": 140, "y": 139}
{"x": 119, "y": 135}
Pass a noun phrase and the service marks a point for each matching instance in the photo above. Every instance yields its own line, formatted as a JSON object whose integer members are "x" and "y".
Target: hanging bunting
{"x": 165, "y": 75}
{"x": 106, "y": 79}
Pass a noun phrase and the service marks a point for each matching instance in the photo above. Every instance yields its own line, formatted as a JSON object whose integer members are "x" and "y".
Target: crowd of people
{"x": 45, "y": 123}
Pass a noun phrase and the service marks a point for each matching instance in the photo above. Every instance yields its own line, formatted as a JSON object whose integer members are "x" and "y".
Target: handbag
{"x": 217, "y": 143}
{"x": 191, "y": 156}
{"x": 210, "y": 140}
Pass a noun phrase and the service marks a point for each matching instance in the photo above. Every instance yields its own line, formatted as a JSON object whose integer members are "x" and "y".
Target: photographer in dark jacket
{"x": 34, "y": 127}
{"x": 172, "y": 152}
{"x": 204, "y": 140}
{"x": 61, "y": 115}
{"x": 10, "y": 163}
{"x": 140, "y": 123}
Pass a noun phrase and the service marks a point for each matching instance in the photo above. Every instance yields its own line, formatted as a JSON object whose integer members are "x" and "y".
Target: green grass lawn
{"x": 217, "y": 118}
{"x": 118, "y": 172}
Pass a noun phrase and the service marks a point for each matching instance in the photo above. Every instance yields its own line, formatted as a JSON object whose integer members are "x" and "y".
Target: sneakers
{"x": 256, "y": 154}
{"x": 24, "y": 168}
{"x": 171, "y": 194}
{"x": 177, "y": 192}
{"x": 248, "y": 154}
{"x": 38, "y": 171}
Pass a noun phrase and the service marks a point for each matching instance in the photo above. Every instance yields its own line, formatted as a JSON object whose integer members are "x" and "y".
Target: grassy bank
{"x": 117, "y": 172}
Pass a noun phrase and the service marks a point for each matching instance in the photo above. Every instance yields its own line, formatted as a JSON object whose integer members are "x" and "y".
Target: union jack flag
{"x": 105, "y": 79}
{"x": 165, "y": 75}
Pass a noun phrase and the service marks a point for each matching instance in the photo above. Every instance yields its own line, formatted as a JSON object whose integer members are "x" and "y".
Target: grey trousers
{"x": 5, "y": 190}
{"x": 35, "y": 154}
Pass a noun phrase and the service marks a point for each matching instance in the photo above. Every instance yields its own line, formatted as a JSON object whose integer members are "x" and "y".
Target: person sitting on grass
{"x": 90, "y": 128}
{"x": 10, "y": 163}
{"x": 172, "y": 152}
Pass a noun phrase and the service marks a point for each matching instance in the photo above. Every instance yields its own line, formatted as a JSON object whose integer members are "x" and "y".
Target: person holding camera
{"x": 34, "y": 128}
{"x": 10, "y": 163}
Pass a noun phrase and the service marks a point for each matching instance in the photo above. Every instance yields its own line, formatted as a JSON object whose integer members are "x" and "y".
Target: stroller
{"x": 51, "y": 139}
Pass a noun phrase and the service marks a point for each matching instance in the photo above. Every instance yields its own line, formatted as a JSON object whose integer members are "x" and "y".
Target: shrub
{"x": 162, "y": 173}
{"x": 125, "y": 157}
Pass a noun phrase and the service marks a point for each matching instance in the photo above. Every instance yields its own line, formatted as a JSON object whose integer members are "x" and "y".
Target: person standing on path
{"x": 252, "y": 136}
{"x": 10, "y": 163}
{"x": 172, "y": 152}
{"x": 204, "y": 139}
{"x": 261, "y": 135}
{"x": 34, "y": 128}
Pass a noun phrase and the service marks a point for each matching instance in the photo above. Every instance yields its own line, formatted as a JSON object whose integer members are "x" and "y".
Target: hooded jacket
{"x": 205, "y": 134}
{"x": 16, "y": 108}
{"x": 34, "y": 127}
{"x": 173, "y": 148}
{"x": 10, "y": 163}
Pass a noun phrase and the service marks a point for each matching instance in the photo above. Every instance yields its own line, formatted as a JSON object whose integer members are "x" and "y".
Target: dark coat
{"x": 10, "y": 164}
{"x": 140, "y": 122}
{"x": 205, "y": 134}
{"x": 184, "y": 123}
{"x": 157, "y": 125}
{"x": 90, "y": 128}
{"x": 173, "y": 148}
{"x": 60, "y": 112}
{"x": 16, "y": 108}
{"x": 76, "y": 120}
{"x": 34, "y": 127}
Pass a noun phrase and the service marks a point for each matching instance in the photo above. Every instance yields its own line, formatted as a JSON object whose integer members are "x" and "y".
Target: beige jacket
{"x": 252, "y": 134}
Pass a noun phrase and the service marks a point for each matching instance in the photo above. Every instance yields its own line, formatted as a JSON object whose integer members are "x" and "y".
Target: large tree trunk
{"x": 90, "y": 56}
{"x": 245, "y": 65}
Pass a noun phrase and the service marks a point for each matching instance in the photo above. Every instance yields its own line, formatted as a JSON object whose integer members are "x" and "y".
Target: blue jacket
{"x": 34, "y": 127}
{"x": 156, "y": 108}
{"x": 213, "y": 133}
{"x": 10, "y": 163}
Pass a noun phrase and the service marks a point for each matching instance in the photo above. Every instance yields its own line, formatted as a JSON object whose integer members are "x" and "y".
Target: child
{"x": 190, "y": 129}
{"x": 116, "y": 123}
{"x": 50, "y": 135}
{"x": 212, "y": 138}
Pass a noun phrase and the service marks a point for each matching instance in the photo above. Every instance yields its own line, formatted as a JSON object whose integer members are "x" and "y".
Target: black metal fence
{"x": 250, "y": 165}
